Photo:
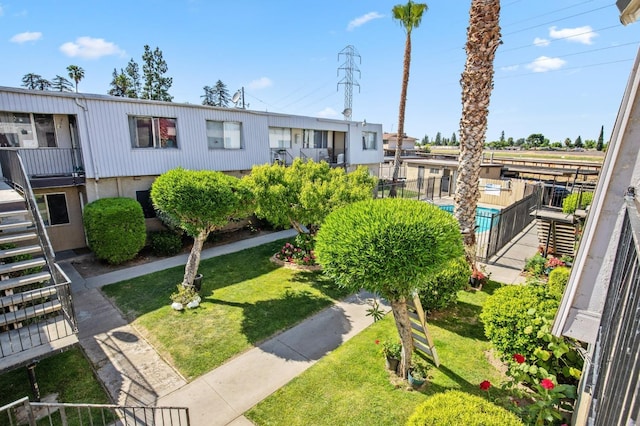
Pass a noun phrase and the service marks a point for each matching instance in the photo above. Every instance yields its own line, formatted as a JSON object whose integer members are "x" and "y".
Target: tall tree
{"x": 35, "y": 82}
{"x": 438, "y": 140}
{"x": 502, "y": 136}
{"x": 221, "y": 94}
{"x": 156, "y": 85}
{"x": 61, "y": 84}
{"x": 390, "y": 247}
{"x": 76, "y": 74}
{"x": 120, "y": 84}
{"x": 409, "y": 17}
{"x": 454, "y": 139}
{"x": 483, "y": 39}
{"x": 600, "y": 143}
{"x": 133, "y": 73}
{"x": 568, "y": 143}
{"x": 578, "y": 142}
{"x": 208, "y": 98}
{"x": 199, "y": 202}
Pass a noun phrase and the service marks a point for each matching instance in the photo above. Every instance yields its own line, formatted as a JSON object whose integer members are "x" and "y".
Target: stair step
{"x": 20, "y": 250}
{"x": 15, "y": 225}
{"x": 30, "y": 312}
{"x": 24, "y": 280}
{"x": 14, "y": 238}
{"x": 20, "y": 266}
{"x": 10, "y": 213}
{"x": 27, "y": 296}
{"x": 419, "y": 338}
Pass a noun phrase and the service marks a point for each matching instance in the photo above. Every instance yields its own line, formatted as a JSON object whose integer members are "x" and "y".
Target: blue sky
{"x": 561, "y": 70}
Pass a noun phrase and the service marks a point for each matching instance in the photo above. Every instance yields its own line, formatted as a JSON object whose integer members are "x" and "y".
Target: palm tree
{"x": 483, "y": 39}
{"x": 76, "y": 73}
{"x": 409, "y": 16}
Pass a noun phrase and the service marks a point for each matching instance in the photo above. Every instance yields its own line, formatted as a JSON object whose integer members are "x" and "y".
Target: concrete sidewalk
{"x": 506, "y": 266}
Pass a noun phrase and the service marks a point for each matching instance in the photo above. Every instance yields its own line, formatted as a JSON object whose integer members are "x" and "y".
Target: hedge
{"x": 115, "y": 228}
{"x": 459, "y": 408}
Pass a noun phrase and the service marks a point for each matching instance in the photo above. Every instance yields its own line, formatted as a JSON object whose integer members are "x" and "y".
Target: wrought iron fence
{"x": 419, "y": 189}
{"x": 614, "y": 373}
{"x": 24, "y": 412}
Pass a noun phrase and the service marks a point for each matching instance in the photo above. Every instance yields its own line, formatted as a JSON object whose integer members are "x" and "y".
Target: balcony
{"x": 53, "y": 167}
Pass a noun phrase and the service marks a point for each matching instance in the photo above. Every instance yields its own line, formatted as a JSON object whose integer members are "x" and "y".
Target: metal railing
{"x": 43, "y": 162}
{"x": 614, "y": 373}
{"x": 25, "y": 412}
{"x": 418, "y": 189}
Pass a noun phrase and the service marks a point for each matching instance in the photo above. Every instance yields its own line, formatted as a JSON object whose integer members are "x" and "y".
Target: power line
{"x": 545, "y": 14}
{"x": 307, "y": 95}
{"x": 557, "y": 20}
{"x": 568, "y": 69}
{"x": 562, "y": 38}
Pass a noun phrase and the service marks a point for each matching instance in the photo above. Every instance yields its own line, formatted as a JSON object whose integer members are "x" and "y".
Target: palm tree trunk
{"x": 403, "y": 105}
{"x": 403, "y": 324}
{"x": 191, "y": 268}
{"x": 483, "y": 39}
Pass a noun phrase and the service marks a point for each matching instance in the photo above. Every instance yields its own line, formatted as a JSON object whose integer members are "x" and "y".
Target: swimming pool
{"x": 486, "y": 218}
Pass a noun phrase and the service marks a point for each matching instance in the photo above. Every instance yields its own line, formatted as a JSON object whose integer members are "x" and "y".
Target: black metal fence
{"x": 418, "y": 189}
{"x": 615, "y": 370}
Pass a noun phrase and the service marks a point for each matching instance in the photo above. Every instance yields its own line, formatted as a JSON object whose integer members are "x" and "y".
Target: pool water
{"x": 486, "y": 218}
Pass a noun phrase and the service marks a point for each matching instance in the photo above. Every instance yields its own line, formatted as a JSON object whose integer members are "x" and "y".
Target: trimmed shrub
{"x": 536, "y": 265}
{"x": 115, "y": 228}
{"x": 558, "y": 279}
{"x": 165, "y": 243}
{"x": 570, "y": 203}
{"x": 441, "y": 289}
{"x": 513, "y": 315}
{"x": 459, "y": 408}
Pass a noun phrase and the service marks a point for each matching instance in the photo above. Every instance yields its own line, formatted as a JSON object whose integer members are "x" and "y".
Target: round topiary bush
{"x": 115, "y": 228}
{"x": 459, "y": 408}
{"x": 512, "y": 316}
{"x": 165, "y": 243}
{"x": 558, "y": 279}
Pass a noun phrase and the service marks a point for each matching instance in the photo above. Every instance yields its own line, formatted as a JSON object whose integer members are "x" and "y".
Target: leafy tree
{"x": 156, "y": 85}
{"x": 510, "y": 141}
{"x": 568, "y": 143}
{"x": 425, "y": 140}
{"x": 454, "y": 139}
{"x": 438, "y": 140}
{"x": 600, "y": 144}
{"x": 61, "y": 84}
{"x": 216, "y": 96}
{"x": 409, "y": 16}
{"x": 389, "y": 246}
{"x": 502, "y": 136}
{"x": 536, "y": 139}
{"x": 133, "y": 73}
{"x": 578, "y": 142}
{"x": 483, "y": 39}
{"x": 120, "y": 84}
{"x": 199, "y": 202}
{"x": 520, "y": 141}
{"x": 76, "y": 74}
{"x": 590, "y": 144}
{"x": 208, "y": 96}
{"x": 303, "y": 194}
{"x": 35, "y": 82}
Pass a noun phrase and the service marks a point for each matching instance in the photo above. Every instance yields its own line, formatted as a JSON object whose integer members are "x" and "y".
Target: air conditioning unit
{"x": 629, "y": 10}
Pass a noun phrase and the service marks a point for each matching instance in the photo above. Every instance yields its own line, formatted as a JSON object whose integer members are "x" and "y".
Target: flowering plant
{"x": 478, "y": 275}
{"x": 554, "y": 262}
{"x": 300, "y": 252}
{"x": 391, "y": 349}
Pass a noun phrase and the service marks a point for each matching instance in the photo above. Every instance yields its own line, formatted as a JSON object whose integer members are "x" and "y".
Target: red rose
{"x": 547, "y": 384}
{"x": 485, "y": 385}
{"x": 518, "y": 358}
{"x": 377, "y": 342}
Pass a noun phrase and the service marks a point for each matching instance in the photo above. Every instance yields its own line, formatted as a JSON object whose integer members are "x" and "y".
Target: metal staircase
{"x": 36, "y": 309}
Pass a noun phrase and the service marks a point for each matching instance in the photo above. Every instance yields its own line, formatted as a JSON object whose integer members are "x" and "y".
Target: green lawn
{"x": 68, "y": 374}
{"x": 351, "y": 386}
{"x": 246, "y": 299}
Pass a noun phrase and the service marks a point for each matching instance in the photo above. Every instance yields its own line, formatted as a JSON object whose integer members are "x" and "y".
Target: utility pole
{"x": 349, "y": 66}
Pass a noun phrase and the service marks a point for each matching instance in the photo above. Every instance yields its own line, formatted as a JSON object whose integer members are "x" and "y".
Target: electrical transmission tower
{"x": 349, "y": 66}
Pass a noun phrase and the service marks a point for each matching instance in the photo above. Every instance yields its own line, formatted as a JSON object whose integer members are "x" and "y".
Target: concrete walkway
{"x": 135, "y": 374}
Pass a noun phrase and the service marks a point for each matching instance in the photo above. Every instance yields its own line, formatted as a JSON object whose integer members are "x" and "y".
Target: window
{"x": 24, "y": 130}
{"x": 369, "y": 141}
{"x": 45, "y": 130}
{"x": 153, "y": 132}
{"x": 315, "y": 139}
{"x": 224, "y": 135}
{"x": 279, "y": 137}
{"x": 434, "y": 171}
{"x": 144, "y": 198}
{"x": 53, "y": 208}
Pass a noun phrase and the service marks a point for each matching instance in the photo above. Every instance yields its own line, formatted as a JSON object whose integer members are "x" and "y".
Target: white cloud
{"x": 25, "y": 37}
{"x": 327, "y": 113}
{"x": 90, "y": 48}
{"x": 545, "y": 63}
{"x": 510, "y": 68}
{"x": 261, "y": 83}
{"x": 361, "y": 20}
{"x": 577, "y": 35}
{"x": 542, "y": 42}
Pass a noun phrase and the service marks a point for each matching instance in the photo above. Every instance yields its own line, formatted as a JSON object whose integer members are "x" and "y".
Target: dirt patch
{"x": 88, "y": 266}
{"x": 495, "y": 361}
